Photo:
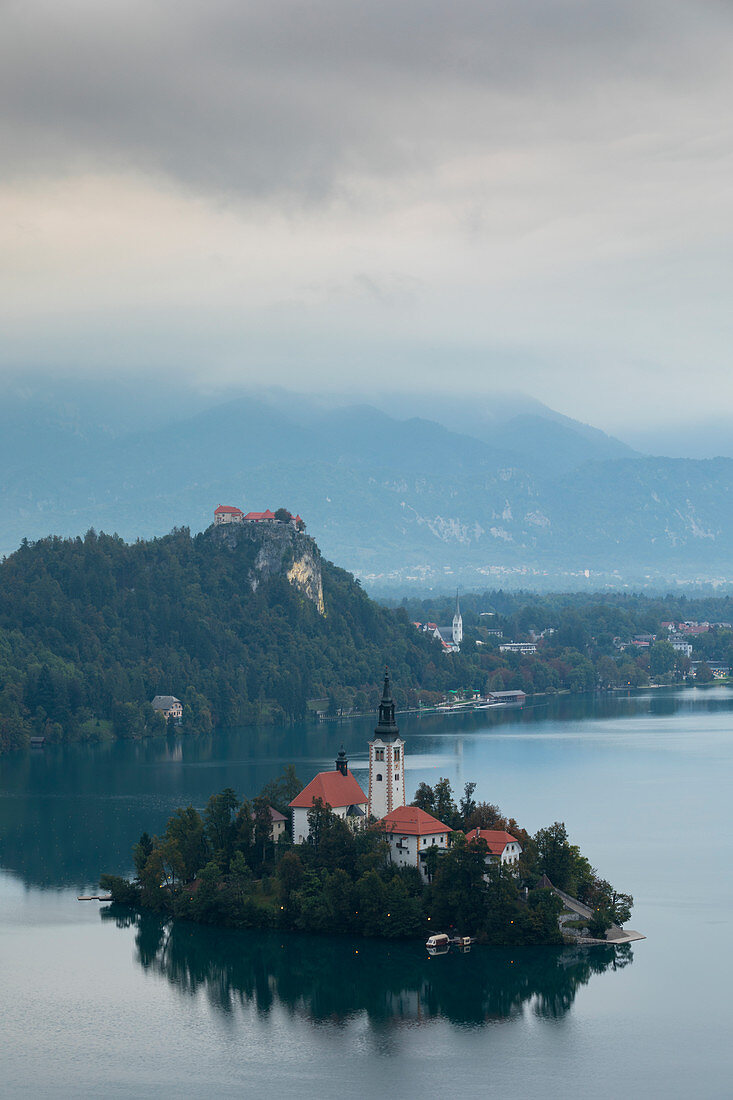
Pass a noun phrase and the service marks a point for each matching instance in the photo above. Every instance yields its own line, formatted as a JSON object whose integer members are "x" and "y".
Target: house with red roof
{"x": 411, "y": 833}
{"x": 339, "y": 790}
{"x": 503, "y": 847}
{"x": 225, "y": 513}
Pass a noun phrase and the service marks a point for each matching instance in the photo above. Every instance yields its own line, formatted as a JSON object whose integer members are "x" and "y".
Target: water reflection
{"x": 72, "y": 811}
{"x": 335, "y": 979}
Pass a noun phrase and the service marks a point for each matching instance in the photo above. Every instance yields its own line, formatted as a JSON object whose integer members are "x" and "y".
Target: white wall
{"x": 388, "y": 792}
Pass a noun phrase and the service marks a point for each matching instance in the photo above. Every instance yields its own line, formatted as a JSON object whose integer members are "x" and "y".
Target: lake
{"x": 95, "y": 1001}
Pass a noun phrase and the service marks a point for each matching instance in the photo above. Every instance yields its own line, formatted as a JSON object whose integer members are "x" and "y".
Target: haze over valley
{"x": 406, "y": 491}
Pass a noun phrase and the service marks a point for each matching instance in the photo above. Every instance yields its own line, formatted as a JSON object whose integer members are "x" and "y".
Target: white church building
{"x": 386, "y": 760}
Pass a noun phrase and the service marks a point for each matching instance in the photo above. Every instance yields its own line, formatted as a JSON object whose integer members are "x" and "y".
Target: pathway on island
{"x": 615, "y": 934}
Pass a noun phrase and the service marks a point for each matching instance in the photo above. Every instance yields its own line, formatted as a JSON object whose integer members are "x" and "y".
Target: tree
{"x": 662, "y": 658}
{"x": 468, "y": 805}
{"x": 430, "y": 861}
{"x": 424, "y": 798}
{"x": 445, "y": 808}
{"x": 607, "y": 672}
{"x": 282, "y": 515}
{"x": 319, "y": 817}
{"x": 703, "y": 673}
{"x": 220, "y": 828}
{"x": 262, "y": 826}
{"x": 241, "y": 875}
{"x": 141, "y": 853}
{"x": 555, "y": 855}
{"x": 186, "y": 829}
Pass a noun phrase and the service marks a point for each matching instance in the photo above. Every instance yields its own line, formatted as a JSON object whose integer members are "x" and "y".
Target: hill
{"x": 244, "y": 626}
{"x": 404, "y": 502}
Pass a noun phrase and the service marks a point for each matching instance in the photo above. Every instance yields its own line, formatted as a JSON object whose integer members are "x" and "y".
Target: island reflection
{"x": 334, "y": 979}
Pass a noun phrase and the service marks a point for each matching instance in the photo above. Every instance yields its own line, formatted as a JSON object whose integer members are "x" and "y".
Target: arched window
{"x": 379, "y": 777}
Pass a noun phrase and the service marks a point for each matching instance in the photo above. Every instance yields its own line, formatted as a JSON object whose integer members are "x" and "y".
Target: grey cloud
{"x": 272, "y": 97}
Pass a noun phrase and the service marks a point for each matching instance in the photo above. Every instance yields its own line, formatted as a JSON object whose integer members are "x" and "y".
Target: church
{"x": 409, "y": 831}
{"x": 341, "y": 791}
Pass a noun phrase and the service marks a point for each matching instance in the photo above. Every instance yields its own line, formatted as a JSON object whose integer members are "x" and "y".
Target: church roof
{"x": 496, "y": 839}
{"x": 334, "y": 788}
{"x": 227, "y": 509}
{"x": 412, "y": 821}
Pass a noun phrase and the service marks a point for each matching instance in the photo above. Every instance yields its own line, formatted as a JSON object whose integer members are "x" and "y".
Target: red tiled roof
{"x": 275, "y": 815}
{"x": 267, "y": 514}
{"x": 227, "y": 508}
{"x": 412, "y": 821}
{"x": 334, "y": 788}
{"x": 496, "y": 839}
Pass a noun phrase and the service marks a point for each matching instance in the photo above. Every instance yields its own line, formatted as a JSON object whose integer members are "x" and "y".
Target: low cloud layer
{"x": 452, "y": 196}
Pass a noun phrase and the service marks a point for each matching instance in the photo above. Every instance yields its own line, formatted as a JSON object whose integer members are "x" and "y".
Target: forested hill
{"x": 92, "y": 628}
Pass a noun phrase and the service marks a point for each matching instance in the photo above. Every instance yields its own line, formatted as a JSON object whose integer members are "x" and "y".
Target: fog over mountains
{"x": 423, "y": 491}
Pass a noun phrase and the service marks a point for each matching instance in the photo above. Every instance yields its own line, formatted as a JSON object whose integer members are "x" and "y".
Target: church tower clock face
{"x": 386, "y": 760}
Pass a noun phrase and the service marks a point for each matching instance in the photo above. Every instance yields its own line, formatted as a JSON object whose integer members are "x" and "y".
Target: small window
{"x": 379, "y": 754}
{"x": 396, "y": 755}
{"x": 379, "y": 777}
{"x": 397, "y": 777}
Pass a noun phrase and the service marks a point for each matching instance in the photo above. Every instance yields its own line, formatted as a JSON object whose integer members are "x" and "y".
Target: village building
{"x": 279, "y": 821}
{"x": 386, "y": 760}
{"x": 411, "y": 833}
{"x": 168, "y": 706}
{"x": 503, "y": 847}
{"x": 518, "y": 647}
{"x": 451, "y": 636}
{"x": 507, "y": 697}
{"x": 680, "y": 645}
{"x": 337, "y": 789}
{"x": 225, "y": 513}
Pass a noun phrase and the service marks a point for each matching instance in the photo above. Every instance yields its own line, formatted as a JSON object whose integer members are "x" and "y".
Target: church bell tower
{"x": 386, "y": 760}
{"x": 457, "y": 624}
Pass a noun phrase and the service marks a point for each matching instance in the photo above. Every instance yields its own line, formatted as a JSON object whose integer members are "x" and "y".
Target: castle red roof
{"x": 227, "y": 508}
{"x": 267, "y": 514}
{"x": 412, "y": 821}
{"x": 496, "y": 839}
{"x": 334, "y": 788}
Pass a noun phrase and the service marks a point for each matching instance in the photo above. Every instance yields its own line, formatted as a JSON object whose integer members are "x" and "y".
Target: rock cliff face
{"x": 281, "y": 551}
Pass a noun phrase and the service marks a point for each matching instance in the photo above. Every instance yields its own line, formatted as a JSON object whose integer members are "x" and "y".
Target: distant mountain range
{"x": 520, "y": 495}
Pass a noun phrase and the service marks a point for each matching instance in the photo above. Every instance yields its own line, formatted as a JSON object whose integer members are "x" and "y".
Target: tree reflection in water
{"x": 335, "y": 979}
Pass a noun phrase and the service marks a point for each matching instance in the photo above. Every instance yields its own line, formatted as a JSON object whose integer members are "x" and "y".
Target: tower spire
{"x": 342, "y": 762}
{"x": 386, "y": 725}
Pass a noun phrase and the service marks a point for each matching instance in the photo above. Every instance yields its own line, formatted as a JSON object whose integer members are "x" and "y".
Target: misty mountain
{"x": 539, "y": 500}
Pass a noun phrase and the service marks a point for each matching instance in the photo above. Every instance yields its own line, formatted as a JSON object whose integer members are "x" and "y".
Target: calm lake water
{"x": 92, "y": 1004}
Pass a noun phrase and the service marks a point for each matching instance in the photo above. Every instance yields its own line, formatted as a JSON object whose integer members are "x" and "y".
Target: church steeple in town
{"x": 457, "y": 623}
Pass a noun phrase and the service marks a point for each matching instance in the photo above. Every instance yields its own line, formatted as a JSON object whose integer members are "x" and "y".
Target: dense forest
{"x": 222, "y": 867}
{"x": 92, "y": 628}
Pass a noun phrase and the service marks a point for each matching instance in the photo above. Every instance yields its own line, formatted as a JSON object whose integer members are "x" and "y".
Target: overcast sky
{"x": 526, "y": 194}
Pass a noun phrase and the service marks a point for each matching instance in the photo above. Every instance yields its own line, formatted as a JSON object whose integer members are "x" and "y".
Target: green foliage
{"x": 91, "y": 629}
{"x": 222, "y": 869}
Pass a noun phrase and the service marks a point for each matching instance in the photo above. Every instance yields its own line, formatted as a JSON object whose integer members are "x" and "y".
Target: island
{"x": 366, "y": 863}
